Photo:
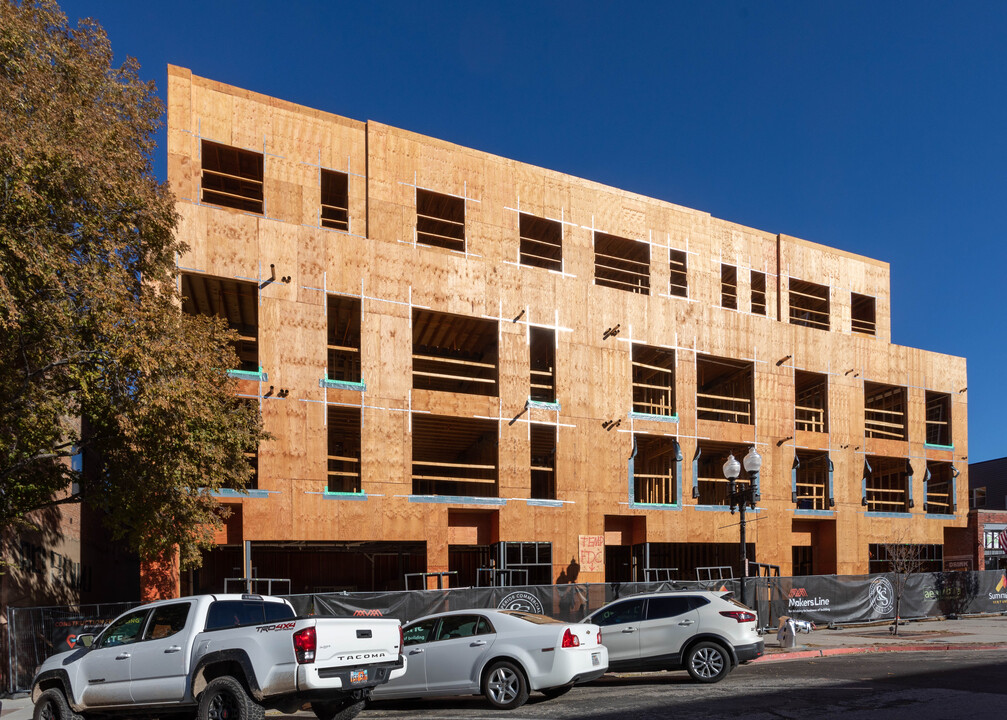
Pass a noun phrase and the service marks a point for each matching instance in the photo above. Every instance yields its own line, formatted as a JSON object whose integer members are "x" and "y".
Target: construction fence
{"x": 36, "y": 633}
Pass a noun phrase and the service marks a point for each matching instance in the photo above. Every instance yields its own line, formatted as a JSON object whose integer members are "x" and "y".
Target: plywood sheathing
{"x": 379, "y": 262}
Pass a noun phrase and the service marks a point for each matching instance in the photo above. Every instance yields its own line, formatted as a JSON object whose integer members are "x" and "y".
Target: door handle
{"x": 417, "y": 651}
{"x": 122, "y": 656}
{"x": 173, "y": 649}
{"x": 629, "y": 630}
{"x": 477, "y": 643}
{"x": 686, "y": 622}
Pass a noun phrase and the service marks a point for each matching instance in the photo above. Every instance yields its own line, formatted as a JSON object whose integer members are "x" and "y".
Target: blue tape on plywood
{"x": 344, "y": 495}
{"x": 655, "y": 418}
{"x": 259, "y": 376}
{"x": 230, "y": 493}
{"x": 342, "y": 385}
{"x": 457, "y": 500}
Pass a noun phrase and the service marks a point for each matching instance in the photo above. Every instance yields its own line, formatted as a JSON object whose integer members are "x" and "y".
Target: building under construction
{"x": 478, "y": 367}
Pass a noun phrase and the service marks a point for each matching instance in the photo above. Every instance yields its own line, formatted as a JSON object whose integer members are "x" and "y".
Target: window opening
{"x": 939, "y": 486}
{"x": 251, "y": 456}
{"x": 887, "y": 487}
{"x": 541, "y": 242}
{"x": 724, "y": 390}
{"x": 454, "y": 456}
{"x": 232, "y": 177}
{"x": 803, "y": 560}
{"x": 979, "y": 497}
{"x": 343, "y": 339}
{"x": 454, "y": 353}
{"x": 729, "y": 287}
{"x": 811, "y": 401}
{"x": 621, "y": 263}
{"x": 938, "y": 418}
{"x": 654, "y": 480}
{"x": 543, "y": 462}
{"x": 926, "y": 558}
{"x": 344, "y": 449}
{"x": 235, "y": 301}
{"x": 679, "y": 283}
{"x": 542, "y": 361}
{"x": 335, "y": 200}
{"x": 653, "y": 380}
{"x": 884, "y": 411}
{"x": 862, "y": 314}
{"x": 533, "y": 557}
{"x": 712, "y": 484}
{"x": 758, "y": 292}
{"x": 440, "y": 220}
{"x": 809, "y": 304}
{"x": 812, "y": 481}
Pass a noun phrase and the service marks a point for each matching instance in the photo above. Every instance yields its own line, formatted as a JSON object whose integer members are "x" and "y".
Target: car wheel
{"x": 555, "y": 692}
{"x": 707, "y": 662}
{"x": 505, "y": 686}
{"x": 225, "y": 699}
{"x": 341, "y": 710}
{"x": 52, "y": 705}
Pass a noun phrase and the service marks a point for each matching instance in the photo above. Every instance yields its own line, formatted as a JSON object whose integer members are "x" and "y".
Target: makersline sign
{"x": 844, "y": 599}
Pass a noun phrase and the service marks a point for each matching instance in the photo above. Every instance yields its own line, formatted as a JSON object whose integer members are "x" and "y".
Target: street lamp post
{"x": 739, "y": 499}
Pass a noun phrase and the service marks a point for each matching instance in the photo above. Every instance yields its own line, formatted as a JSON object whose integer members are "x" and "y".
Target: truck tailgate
{"x": 352, "y": 653}
{"x": 343, "y": 642}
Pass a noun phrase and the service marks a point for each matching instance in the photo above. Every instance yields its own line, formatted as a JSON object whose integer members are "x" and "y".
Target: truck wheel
{"x": 341, "y": 710}
{"x": 225, "y": 699}
{"x": 52, "y": 705}
{"x": 504, "y": 685}
{"x": 707, "y": 662}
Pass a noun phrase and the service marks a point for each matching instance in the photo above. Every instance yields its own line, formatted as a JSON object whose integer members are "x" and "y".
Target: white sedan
{"x": 502, "y": 654}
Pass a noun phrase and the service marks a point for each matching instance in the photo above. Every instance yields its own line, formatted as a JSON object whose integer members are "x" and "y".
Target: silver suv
{"x": 706, "y": 633}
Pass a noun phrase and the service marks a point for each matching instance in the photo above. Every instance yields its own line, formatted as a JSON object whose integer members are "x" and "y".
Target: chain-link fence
{"x": 36, "y": 633}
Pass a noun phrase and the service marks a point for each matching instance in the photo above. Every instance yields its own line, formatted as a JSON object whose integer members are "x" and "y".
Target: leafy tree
{"x": 97, "y": 357}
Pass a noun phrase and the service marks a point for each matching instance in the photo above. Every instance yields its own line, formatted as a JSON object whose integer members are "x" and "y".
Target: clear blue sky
{"x": 875, "y": 127}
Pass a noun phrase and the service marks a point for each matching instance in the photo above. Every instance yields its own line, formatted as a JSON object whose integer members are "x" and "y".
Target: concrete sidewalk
{"x": 971, "y": 633}
{"x": 966, "y": 634}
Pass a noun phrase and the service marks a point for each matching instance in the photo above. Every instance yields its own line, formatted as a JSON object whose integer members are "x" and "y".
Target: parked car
{"x": 707, "y": 633}
{"x": 501, "y": 654}
{"x": 220, "y": 656}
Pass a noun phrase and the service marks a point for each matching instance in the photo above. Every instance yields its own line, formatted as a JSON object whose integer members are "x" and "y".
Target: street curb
{"x": 828, "y": 652}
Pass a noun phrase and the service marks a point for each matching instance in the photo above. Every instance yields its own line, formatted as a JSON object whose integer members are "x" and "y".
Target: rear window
{"x": 533, "y": 617}
{"x": 235, "y": 613}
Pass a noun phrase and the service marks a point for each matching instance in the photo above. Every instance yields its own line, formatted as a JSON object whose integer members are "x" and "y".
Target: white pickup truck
{"x": 222, "y": 657}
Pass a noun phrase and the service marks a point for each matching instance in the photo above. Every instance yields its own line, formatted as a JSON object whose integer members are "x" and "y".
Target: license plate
{"x": 596, "y": 658}
{"x": 358, "y": 676}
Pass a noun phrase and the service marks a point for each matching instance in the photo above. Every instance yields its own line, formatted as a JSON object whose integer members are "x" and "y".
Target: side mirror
{"x": 84, "y": 640}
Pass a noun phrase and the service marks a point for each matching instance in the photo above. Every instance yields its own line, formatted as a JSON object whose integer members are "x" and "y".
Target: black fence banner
{"x": 564, "y": 602}
{"x": 838, "y": 599}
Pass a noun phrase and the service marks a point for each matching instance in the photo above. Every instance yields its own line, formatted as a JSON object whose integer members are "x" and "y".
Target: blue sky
{"x": 875, "y": 127}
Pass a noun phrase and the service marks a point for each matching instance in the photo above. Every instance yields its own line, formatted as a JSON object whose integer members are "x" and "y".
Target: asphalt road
{"x": 895, "y": 686}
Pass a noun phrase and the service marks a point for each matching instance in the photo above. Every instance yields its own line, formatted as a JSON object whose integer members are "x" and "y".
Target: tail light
{"x": 741, "y": 616}
{"x": 599, "y": 636}
{"x": 570, "y": 640}
{"x": 402, "y": 639}
{"x": 305, "y": 642}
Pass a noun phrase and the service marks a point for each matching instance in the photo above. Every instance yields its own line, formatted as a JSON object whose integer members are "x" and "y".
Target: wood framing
{"x": 477, "y": 355}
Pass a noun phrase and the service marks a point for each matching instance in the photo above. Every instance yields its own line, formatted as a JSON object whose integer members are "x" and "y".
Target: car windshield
{"x": 532, "y": 617}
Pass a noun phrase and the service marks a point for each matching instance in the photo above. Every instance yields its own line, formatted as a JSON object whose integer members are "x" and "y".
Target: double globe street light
{"x": 740, "y": 497}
